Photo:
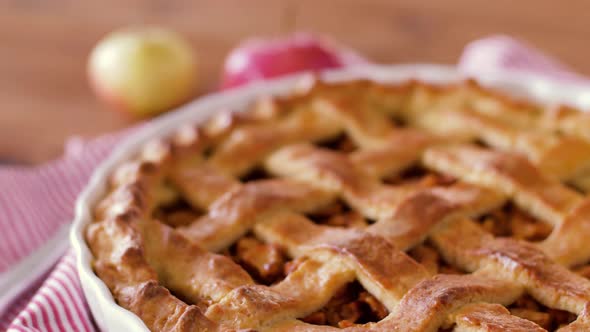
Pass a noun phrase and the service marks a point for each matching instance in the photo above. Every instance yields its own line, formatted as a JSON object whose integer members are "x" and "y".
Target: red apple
{"x": 259, "y": 59}
{"x": 143, "y": 70}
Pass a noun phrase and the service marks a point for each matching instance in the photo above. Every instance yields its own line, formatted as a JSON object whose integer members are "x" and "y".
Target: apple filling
{"x": 266, "y": 263}
{"x": 351, "y": 305}
{"x": 420, "y": 178}
{"x": 341, "y": 143}
{"x": 550, "y": 319}
{"x": 338, "y": 214}
{"x": 510, "y": 221}
{"x": 434, "y": 263}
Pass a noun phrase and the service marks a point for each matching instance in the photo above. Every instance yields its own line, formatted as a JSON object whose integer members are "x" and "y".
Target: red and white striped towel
{"x": 36, "y": 201}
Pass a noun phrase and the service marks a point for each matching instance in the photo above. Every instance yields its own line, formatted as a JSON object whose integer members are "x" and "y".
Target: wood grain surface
{"x": 45, "y": 98}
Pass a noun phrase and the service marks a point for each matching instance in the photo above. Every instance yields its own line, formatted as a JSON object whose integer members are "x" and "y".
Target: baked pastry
{"x": 361, "y": 206}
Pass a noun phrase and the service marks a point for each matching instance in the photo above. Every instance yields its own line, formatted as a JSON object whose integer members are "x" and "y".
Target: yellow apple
{"x": 143, "y": 70}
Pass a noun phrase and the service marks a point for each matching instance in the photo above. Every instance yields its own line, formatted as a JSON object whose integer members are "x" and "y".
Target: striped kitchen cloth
{"x": 36, "y": 201}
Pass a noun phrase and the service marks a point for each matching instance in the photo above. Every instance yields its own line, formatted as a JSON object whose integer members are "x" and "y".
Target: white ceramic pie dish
{"x": 111, "y": 317}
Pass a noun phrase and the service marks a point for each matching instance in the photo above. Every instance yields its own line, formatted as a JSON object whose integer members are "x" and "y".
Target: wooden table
{"x": 44, "y": 46}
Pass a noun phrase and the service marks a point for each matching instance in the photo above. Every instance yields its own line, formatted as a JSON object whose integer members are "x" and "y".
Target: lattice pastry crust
{"x": 480, "y": 151}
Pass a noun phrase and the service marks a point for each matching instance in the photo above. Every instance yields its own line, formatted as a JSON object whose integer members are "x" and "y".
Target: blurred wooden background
{"x": 44, "y": 96}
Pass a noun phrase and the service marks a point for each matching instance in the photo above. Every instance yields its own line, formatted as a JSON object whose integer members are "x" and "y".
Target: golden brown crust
{"x": 492, "y": 318}
{"x": 445, "y": 294}
{"x": 152, "y": 267}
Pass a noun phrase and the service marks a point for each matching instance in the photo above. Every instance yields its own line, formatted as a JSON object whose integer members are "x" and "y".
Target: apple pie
{"x": 360, "y": 206}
